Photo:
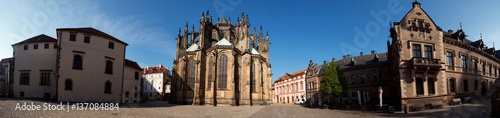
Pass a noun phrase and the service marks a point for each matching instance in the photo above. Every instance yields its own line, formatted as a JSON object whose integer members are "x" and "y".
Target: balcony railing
{"x": 418, "y": 61}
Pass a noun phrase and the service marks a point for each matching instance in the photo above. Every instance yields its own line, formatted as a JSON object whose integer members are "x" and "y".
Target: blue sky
{"x": 298, "y": 30}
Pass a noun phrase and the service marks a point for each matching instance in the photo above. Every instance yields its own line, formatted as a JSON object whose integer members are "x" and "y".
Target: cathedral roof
{"x": 224, "y": 41}
{"x": 253, "y": 51}
{"x": 193, "y": 47}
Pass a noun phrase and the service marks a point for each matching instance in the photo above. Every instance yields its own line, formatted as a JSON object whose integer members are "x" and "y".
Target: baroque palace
{"x": 424, "y": 67}
{"x": 222, "y": 64}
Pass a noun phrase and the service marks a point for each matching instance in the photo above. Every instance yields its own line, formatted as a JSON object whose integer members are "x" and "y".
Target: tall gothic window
{"x": 211, "y": 73}
{"x": 484, "y": 67}
{"x": 252, "y": 81}
{"x": 222, "y": 71}
{"x": 191, "y": 73}
{"x": 77, "y": 62}
{"x": 417, "y": 50}
{"x": 466, "y": 85}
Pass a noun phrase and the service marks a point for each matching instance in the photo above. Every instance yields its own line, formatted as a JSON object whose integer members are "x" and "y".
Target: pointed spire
{"x": 260, "y": 33}
{"x": 186, "y": 29}
{"x": 460, "y": 25}
{"x": 202, "y": 16}
{"x": 192, "y": 36}
{"x": 254, "y": 31}
{"x": 243, "y": 17}
{"x": 267, "y": 35}
{"x": 481, "y": 36}
{"x": 179, "y": 33}
{"x": 247, "y": 20}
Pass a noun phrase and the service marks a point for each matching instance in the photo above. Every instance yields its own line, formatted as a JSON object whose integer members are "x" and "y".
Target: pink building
{"x": 290, "y": 87}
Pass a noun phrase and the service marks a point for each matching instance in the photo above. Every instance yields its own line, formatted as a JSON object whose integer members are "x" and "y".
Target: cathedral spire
{"x": 247, "y": 22}
{"x": 260, "y": 33}
{"x": 267, "y": 36}
{"x": 202, "y": 17}
{"x": 192, "y": 36}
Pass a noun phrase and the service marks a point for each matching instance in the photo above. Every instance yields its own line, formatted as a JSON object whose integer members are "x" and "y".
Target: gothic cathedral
{"x": 222, "y": 64}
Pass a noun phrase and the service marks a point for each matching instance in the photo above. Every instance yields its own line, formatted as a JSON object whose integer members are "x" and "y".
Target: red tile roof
{"x": 93, "y": 31}
{"x": 292, "y": 75}
{"x": 154, "y": 69}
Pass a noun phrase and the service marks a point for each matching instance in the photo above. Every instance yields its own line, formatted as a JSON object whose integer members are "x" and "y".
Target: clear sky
{"x": 298, "y": 30}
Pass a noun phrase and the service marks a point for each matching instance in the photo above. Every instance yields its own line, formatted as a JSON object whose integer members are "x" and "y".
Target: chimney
{"x": 450, "y": 31}
{"x": 360, "y": 53}
{"x": 334, "y": 59}
{"x": 348, "y": 55}
{"x": 373, "y": 52}
{"x": 324, "y": 62}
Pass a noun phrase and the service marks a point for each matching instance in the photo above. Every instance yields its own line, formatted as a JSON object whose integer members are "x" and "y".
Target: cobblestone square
{"x": 164, "y": 109}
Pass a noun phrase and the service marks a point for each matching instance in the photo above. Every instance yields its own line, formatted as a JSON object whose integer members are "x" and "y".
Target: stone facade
{"x": 290, "y": 87}
{"x": 424, "y": 65}
{"x": 222, "y": 64}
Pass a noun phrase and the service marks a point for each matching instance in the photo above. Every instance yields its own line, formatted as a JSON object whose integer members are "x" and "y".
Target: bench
{"x": 436, "y": 104}
{"x": 467, "y": 100}
{"x": 457, "y": 101}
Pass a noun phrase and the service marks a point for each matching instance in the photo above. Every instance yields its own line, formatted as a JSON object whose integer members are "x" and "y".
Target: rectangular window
{"x": 484, "y": 67}
{"x": 451, "y": 83}
{"x": 136, "y": 75}
{"x": 474, "y": 65}
{"x": 25, "y": 47}
{"x": 46, "y": 46}
{"x": 417, "y": 51}
{"x": 420, "y": 23}
{"x": 490, "y": 70}
{"x": 428, "y": 51}
{"x": 55, "y": 46}
{"x": 111, "y": 45}
{"x": 362, "y": 78}
{"x": 430, "y": 85}
{"x": 35, "y": 46}
{"x": 72, "y": 37}
{"x": 353, "y": 80}
{"x": 449, "y": 56}
{"x": 24, "y": 78}
{"x": 464, "y": 63}
{"x": 45, "y": 78}
{"x": 86, "y": 39}
{"x": 126, "y": 94}
{"x": 419, "y": 85}
{"x": 466, "y": 86}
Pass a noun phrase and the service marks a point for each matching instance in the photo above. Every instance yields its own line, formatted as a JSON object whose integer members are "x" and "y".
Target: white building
{"x": 82, "y": 65}
{"x": 155, "y": 82}
{"x": 290, "y": 87}
{"x": 131, "y": 82}
{"x": 35, "y": 68}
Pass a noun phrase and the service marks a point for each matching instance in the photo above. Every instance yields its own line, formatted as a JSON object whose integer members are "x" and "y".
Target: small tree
{"x": 333, "y": 82}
